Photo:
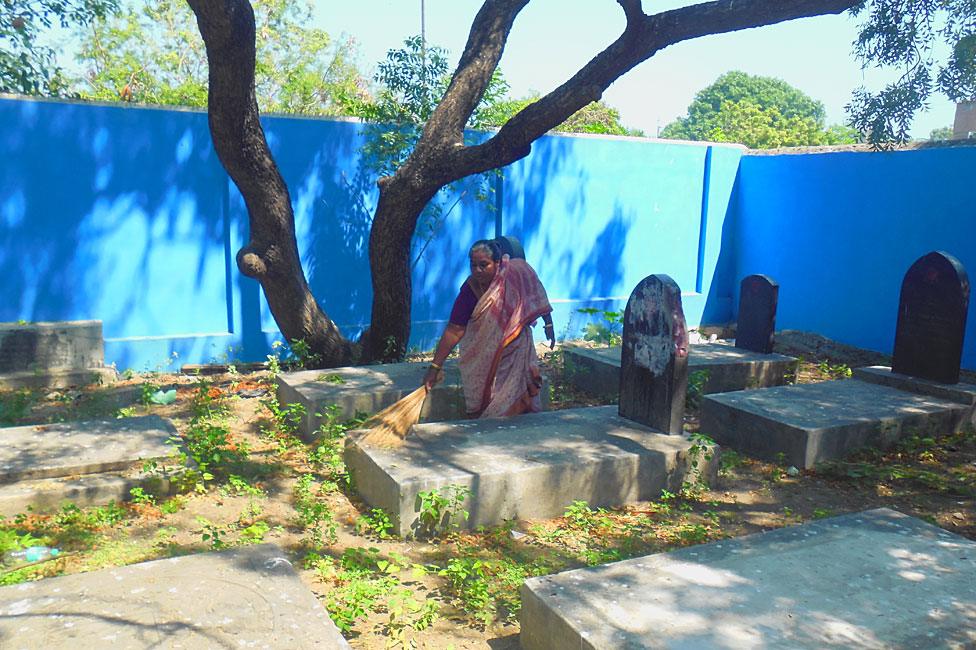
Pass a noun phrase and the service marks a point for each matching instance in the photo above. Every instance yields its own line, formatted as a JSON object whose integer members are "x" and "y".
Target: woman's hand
{"x": 432, "y": 377}
{"x": 550, "y": 335}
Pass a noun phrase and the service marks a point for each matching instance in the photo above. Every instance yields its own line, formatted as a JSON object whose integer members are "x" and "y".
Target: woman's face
{"x": 483, "y": 268}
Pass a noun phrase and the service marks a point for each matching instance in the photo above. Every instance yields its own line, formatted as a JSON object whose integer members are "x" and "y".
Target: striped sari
{"x": 499, "y": 368}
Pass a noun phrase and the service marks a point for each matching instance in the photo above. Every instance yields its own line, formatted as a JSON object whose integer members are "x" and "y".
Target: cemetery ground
{"x": 255, "y": 480}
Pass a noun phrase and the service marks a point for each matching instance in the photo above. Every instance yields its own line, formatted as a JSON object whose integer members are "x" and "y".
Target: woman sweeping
{"x": 492, "y": 318}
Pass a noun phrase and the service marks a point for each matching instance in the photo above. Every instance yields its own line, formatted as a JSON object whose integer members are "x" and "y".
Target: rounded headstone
{"x": 758, "y": 296}
{"x": 932, "y": 319}
{"x": 654, "y": 359}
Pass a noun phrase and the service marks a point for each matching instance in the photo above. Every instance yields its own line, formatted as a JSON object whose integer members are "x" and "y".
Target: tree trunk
{"x": 271, "y": 255}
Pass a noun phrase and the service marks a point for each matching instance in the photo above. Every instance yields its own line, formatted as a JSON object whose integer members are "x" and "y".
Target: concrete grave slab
{"x": 369, "y": 389}
{"x": 597, "y": 370}
{"x": 48, "y": 346}
{"x": 72, "y": 448}
{"x": 958, "y": 392}
{"x": 876, "y": 579}
{"x": 248, "y": 597}
{"x": 529, "y": 466}
{"x": 809, "y": 423}
{"x": 52, "y": 355}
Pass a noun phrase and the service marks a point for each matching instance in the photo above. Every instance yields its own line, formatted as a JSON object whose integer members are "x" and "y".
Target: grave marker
{"x": 758, "y": 296}
{"x": 932, "y": 319}
{"x": 654, "y": 362}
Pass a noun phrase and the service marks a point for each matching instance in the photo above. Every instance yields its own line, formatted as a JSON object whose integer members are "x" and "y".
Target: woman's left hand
{"x": 551, "y": 336}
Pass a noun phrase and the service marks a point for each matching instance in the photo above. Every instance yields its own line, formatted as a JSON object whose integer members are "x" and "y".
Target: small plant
{"x": 254, "y": 534}
{"x": 700, "y": 453}
{"x": 375, "y": 522}
{"x": 696, "y": 388}
{"x": 148, "y": 388}
{"x": 580, "y": 515}
{"x": 331, "y": 379}
{"x": 822, "y": 513}
{"x": 140, "y": 497}
{"x": 606, "y": 332}
{"x": 314, "y": 515}
{"x": 441, "y": 510}
{"x": 212, "y": 533}
{"x": 300, "y": 356}
{"x": 16, "y": 405}
{"x": 834, "y": 371}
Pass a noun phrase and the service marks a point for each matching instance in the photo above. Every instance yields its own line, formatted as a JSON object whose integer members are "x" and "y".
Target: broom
{"x": 389, "y": 427}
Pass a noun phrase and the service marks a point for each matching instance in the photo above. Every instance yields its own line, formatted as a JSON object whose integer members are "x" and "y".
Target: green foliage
{"x": 941, "y": 133}
{"x": 442, "y": 510}
{"x": 581, "y": 516}
{"x": 759, "y": 112}
{"x": 152, "y": 53}
{"x": 597, "y": 117}
{"x": 902, "y": 34}
{"x": 608, "y": 330}
{"x": 314, "y": 515}
{"x": 16, "y": 404}
{"x": 696, "y": 388}
{"x": 26, "y": 65}
{"x": 376, "y": 522}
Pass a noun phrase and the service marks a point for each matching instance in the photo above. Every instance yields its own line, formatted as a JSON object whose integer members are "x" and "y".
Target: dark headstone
{"x": 758, "y": 295}
{"x": 932, "y": 319}
{"x": 654, "y": 361}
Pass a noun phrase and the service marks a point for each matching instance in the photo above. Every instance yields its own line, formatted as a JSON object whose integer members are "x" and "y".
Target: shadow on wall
{"x": 98, "y": 214}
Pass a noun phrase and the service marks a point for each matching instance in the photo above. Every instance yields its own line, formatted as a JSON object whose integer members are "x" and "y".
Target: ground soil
{"x": 931, "y": 479}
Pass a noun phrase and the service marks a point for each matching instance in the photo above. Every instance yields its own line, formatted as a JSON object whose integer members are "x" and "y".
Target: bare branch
{"x": 484, "y": 48}
{"x": 632, "y": 9}
{"x": 643, "y": 37}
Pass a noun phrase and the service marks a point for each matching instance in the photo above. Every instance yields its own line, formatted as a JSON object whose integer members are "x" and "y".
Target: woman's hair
{"x": 489, "y": 246}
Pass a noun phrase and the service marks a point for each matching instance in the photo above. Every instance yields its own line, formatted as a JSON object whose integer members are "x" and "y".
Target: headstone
{"x": 932, "y": 319}
{"x": 654, "y": 361}
{"x": 758, "y": 296}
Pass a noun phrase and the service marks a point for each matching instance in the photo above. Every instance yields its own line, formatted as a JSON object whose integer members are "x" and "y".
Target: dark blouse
{"x": 464, "y": 305}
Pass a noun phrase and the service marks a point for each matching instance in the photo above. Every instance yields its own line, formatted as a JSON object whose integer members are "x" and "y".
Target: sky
{"x": 552, "y": 39}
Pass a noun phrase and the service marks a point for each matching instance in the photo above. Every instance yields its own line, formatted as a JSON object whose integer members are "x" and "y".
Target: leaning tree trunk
{"x": 271, "y": 255}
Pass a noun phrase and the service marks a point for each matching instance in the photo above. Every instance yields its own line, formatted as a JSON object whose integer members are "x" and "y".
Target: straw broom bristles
{"x": 389, "y": 427}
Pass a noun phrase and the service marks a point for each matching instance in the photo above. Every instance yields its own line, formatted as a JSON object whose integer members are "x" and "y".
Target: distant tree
{"x": 26, "y": 66}
{"x": 759, "y": 112}
{"x": 941, "y": 133}
{"x": 150, "y": 53}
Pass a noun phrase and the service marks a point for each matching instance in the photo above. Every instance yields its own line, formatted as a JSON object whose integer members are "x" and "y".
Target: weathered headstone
{"x": 758, "y": 295}
{"x": 654, "y": 361}
{"x": 932, "y": 319}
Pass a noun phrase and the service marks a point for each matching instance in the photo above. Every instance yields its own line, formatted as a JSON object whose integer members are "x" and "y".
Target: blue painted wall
{"x": 124, "y": 214}
{"x": 839, "y": 231}
{"x": 598, "y": 214}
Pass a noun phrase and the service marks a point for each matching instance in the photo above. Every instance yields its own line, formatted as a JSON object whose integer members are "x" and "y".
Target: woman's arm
{"x": 549, "y": 330}
{"x": 452, "y": 334}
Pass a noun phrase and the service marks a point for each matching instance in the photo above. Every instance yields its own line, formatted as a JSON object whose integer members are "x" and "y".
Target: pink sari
{"x": 499, "y": 368}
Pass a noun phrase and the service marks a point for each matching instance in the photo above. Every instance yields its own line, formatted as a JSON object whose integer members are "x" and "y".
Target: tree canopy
{"x": 759, "y": 112}
{"x": 442, "y": 155}
{"x": 149, "y": 52}
{"x": 26, "y": 65}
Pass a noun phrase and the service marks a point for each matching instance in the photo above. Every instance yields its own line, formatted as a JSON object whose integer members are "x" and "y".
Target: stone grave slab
{"x": 876, "y": 579}
{"x": 597, "y": 370}
{"x": 45, "y": 464}
{"x": 809, "y": 423}
{"x": 69, "y": 448}
{"x": 55, "y": 354}
{"x": 369, "y": 389}
{"x": 249, "y": 597}
{"x": 528, "y": 466}
{"x": 958, "y": 392}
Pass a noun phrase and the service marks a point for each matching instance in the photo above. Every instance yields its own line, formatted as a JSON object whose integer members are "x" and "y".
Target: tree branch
{"x": 643, "y": 37}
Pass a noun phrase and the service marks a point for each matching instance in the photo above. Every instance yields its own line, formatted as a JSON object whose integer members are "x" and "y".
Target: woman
{"x": 491, "y": 317}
